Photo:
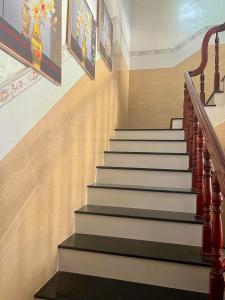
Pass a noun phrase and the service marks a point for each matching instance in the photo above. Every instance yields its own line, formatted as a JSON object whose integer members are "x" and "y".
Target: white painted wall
{"x": 164, "y": 25}
{"x": 21, "y": 114}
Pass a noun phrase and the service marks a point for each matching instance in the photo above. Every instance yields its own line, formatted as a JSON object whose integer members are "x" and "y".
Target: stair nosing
{"x": 146, "y": 129}
{"x": 76, "y": 248}
{"x": 141, "y": 188}
{"x": 144, "y": 169}
{"x": 138, "y": 217}
{"x": 149, "y": 153}
{"x": 147, "y": 140}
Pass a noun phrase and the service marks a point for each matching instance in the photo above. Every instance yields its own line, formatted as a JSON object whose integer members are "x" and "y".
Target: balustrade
{"x": 205, "y": 150}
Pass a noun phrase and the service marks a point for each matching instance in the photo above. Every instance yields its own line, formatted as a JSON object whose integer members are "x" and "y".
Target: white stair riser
{"x": 142, "y": 199}
{"x": 177, "y": 124}
{"x": 148, "y": 146}
{"x": 145, "y": 178}
{"x": 150, "y": 134}
{"x": 180, "y": 162}
{"x": 160, "y": 273}
{"x": 219, "y": 99}
{"x": 131, "y": 228}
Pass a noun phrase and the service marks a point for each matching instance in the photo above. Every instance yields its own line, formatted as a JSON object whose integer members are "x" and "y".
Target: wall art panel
{"x": 30, "y": 30}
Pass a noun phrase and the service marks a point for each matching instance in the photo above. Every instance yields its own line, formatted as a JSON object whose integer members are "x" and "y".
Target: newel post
{"x": 217, "y": 62}
{"x": 216, "y": 274}
{"x": 207, "y": 226}
{"x": 200, "y": 173}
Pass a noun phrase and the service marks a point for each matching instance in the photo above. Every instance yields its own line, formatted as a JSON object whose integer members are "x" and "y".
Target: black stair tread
{"x": 148, "y": 129}
{"x": 142, "y": 188}
{"x": 136, "y": 213}
{"x": 143, "y": 169}
{"x": 146, "y": 140}
{"x": 137, "y": 248}
{"x": 69, "y": 286}
{"x": 147, "y": 153}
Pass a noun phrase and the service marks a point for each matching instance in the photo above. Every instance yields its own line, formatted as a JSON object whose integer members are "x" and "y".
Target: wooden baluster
{"x": 185, "y": 124}
{"x": 194, "y": 152}
{"x": 207, "y": 226}
{"x": 217, "y": 61}
{"x": 200, "y": 173}
{"x": 190, "y": 131}
{"x": 202, "y": 87}
{"x": 216, "y": 274}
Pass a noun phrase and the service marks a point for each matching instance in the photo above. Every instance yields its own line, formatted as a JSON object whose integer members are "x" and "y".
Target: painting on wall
{"x": 30, "y": 31}
{"x": 105, "y": 34}
{"x": 81, "y": 35}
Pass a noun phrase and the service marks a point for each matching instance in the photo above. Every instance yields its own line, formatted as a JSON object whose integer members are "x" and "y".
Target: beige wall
{"x": 43, "y": 179}
{"x": 157, "y": 95}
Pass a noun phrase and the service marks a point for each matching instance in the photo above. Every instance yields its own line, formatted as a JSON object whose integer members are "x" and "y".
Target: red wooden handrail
{"x": 205, "y": 150}
{"x": 205, "y": 46}
{"x": 213, "y": 144}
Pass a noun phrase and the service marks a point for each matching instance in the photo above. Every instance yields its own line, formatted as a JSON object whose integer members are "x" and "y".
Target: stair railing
{"x": 207, "y": 162}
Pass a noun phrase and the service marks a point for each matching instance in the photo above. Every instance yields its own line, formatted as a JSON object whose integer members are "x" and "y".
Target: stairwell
{"x": 134, "y": 240}
{"x": 139, "y": 236}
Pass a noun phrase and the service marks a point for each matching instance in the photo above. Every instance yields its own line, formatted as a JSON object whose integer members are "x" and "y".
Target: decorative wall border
{"x": 23, "y": 80}
{"x": 174, "y": 49}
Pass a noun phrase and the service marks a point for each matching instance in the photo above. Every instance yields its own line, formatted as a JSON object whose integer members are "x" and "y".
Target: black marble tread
{"x": 142, "y": 169}
{"x": 137, "y": 248}
{"x": 148, "y": 153}
{"x": 136, "y": 213}
{"x": 146, "y": 140}
{"x": 69, "y": 286}
{"x": 141, "y": 188}
{"x": 146, "y": 129}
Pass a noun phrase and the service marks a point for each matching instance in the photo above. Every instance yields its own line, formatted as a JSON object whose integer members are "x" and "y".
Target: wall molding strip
{"x": 175, "y": 49}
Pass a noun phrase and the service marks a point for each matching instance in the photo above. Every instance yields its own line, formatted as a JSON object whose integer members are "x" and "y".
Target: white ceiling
{"x": 158, "y": 24}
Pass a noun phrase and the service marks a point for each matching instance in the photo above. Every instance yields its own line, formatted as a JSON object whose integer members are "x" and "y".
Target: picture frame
{"x": 82, "y": 35}
{"x": 30, "y": 31}
{"x": 105, "y": 34}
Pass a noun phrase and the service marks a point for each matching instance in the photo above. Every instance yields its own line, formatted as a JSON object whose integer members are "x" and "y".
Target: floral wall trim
{"x": 174, "y": 49}
{"x": 22, "y": 81}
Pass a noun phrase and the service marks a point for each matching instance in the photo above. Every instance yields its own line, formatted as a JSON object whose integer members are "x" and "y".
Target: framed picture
{"x": 30, "y": 31}
{"x": 81, "y": 35}
{"x": 105, "y": 34}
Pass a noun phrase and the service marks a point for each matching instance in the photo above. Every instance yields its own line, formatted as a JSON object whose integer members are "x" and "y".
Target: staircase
{"x": 137, "y": 238}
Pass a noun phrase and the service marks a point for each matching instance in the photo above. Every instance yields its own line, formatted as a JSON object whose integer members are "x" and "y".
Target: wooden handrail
{"x": 205, "y": 150}
{"x": 213, "y": 144}
{"x": 204, "y": 52}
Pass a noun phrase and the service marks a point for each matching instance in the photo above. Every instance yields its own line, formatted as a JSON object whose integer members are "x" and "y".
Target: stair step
{"x": 147, "y": 160}
{"x": 136, "y": 248}
{"x": 148, "y": 145}
{"x": 161, "y": 264}
{"x": 145, "y": 214}
{"x": 143, "y": 224}
{"x": 69, "y": 286}
{"x": 143, "y": 188}
{"x": 144, "y": 176}
{"x": 158, "y": 134}
{"x": 155, "y": 198}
